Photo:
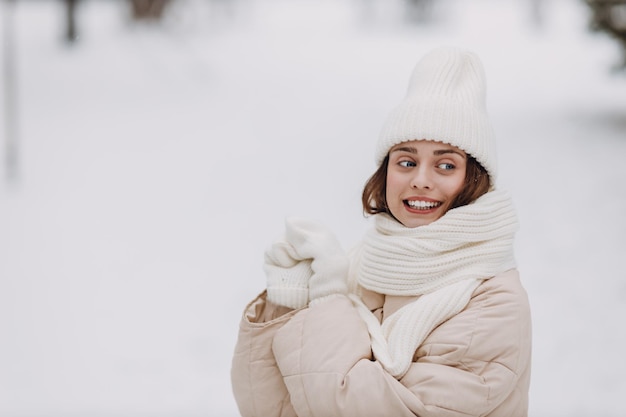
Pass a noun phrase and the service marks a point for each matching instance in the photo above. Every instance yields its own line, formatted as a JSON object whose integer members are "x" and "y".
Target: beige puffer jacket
{"x": 317, "y": 361}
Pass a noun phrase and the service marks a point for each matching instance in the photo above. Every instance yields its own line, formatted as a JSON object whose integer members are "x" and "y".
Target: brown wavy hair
{"x": 374, "y": 198}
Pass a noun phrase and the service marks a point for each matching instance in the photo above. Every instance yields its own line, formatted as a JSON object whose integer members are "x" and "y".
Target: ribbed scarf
{"x": 443, "y": 263}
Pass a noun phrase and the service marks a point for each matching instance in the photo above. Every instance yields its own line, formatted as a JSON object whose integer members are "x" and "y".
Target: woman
{"x": 427, "y": 317}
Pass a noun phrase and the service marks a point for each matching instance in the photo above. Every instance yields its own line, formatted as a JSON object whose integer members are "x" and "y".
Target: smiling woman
{"x": 427, "y": 316}
{"x": 475, "y": 183}
{"x": 423, "y": 179}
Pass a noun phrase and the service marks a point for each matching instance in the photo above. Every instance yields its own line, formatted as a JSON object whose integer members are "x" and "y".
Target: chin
{"x": 413, "y": 223}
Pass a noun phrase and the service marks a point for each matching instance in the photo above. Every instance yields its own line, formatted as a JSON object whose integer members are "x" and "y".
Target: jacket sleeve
{"x": 467, "y": 367}
{"x": 478, "y": 362}
{"x": 325, "y": 358}
{"x": 257, "y": 384}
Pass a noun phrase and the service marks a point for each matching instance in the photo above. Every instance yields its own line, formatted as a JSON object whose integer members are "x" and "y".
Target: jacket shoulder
{"x": 486, "y": 349}
{"x": 495, "y": 326}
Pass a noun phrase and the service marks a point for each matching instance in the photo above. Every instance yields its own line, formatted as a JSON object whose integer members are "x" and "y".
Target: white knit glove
{"x": 287, "y": 275}
{"x": 330, "y": 263}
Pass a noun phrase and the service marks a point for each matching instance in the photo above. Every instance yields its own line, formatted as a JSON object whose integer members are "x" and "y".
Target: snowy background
{"x": 156, "y": 163}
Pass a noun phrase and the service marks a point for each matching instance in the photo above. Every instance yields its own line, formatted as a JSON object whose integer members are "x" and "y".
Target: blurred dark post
{"x": 148, "y": 9}
{"x": 610, "y": 16}
{"x": 536, "y": 12}
{"x": 419, "y": 11}
{"x": 71, "y": 33}
{"x": 9, "y": 81}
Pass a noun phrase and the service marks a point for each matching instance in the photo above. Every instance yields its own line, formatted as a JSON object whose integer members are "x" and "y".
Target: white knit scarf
{"x": 443, "y": 263}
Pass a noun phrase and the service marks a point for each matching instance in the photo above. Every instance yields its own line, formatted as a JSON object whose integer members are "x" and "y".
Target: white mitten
{"x": 330, "y": 263}
{"x": 287, "y": 276}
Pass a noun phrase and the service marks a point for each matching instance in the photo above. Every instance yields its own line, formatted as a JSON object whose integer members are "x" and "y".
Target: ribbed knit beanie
{"x": 445, "y": 102}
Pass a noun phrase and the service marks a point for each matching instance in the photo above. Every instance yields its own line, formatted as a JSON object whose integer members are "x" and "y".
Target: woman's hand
{"x": 287, "y": 275}
{"x": 329, "y": 261}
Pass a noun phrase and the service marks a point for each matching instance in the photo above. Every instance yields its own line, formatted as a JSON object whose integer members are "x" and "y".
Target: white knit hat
{"x": 445, "y": 102}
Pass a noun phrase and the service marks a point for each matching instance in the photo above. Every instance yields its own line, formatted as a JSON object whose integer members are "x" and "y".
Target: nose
{"x": 421, "y": 178}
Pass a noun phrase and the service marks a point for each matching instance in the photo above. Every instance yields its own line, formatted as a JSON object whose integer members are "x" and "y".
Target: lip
{"x": 429, "y": 200}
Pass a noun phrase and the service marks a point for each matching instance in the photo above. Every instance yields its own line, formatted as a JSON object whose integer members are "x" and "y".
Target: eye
{"x": 446, "y": 166}
{"x": 406, "y": 164}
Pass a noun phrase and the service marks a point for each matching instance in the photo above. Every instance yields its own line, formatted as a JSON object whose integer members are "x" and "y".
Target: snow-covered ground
{"x": 157, "y": 163}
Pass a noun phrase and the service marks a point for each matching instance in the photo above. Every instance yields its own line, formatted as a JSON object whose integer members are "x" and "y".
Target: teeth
{"x": 422, "y": 205}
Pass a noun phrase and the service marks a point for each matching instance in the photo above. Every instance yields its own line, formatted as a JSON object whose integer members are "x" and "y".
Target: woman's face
{"x": 423, "y": 178}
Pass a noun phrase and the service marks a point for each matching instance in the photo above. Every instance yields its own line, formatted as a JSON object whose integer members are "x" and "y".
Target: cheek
{"x": 460, "y": 184}
{"x": 457, "y": 185}
{"x": 393, "y": 185}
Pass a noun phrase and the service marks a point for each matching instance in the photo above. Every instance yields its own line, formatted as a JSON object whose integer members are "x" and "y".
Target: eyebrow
{"x": 438, "y": 152}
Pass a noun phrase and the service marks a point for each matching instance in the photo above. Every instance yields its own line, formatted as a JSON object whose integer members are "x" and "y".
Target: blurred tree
{"x": 148, "y": 9}
{"x": 610, "y": 16}
{"x": 9, "y": 89}
{"x": 71, "y": 33}
{"x": 419, "y": 10}
{"x": 536, "y": 12}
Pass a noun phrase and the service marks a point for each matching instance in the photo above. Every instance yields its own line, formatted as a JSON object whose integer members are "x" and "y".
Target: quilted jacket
{"x": 317, "y": 361}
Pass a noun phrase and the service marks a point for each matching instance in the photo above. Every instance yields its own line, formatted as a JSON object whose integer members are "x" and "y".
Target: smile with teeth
{"x": 422, "y": 205}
